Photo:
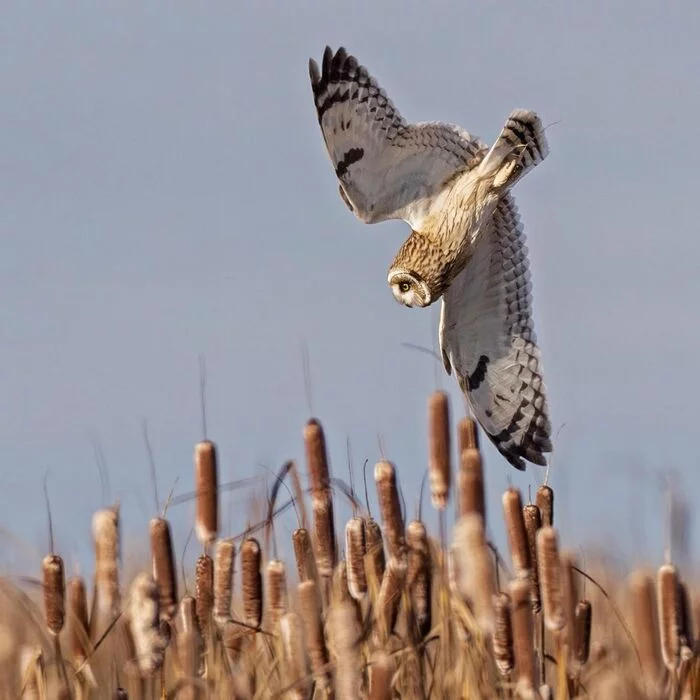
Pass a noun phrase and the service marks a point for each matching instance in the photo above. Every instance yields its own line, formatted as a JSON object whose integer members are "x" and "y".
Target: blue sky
{"x": 165, "y": 193}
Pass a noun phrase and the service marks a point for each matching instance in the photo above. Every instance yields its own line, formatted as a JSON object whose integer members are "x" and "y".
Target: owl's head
{"x": 409, "y": 288}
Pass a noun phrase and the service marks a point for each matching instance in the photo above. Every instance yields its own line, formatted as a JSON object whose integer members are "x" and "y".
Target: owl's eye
{"x": 404, "y": 287}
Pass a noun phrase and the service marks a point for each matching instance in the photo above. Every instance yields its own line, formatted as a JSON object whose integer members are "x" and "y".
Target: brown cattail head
{"x": 207, "y": 487}
{"x": 304, "y": 555}
{"x": 164, "y": 566}
{"x": 545, "y": 502}
{"x": 251, "y": 581}
{"x": 503, "y": 633}
{"x": 54, "y": 592}
{"x": 669, "y": 615}
{"x": 344, "y": 632}
{"x": 533, "y": 522}
{"x": 468, "y": 434}
{"x": 224, "y": 563}
{"x": 389, "y": 598}
{"x": 321, "y": 498}
{"x": 77, "y": 619}
{"x": 187, "y": 619}
{"x": 523, "y": 647}
{"x": 106, "y": 599}
{"x": 645, "y": 627}
{"x": 439, "y": 443}
{"x": 375, "y": 562}
{"x": 276, "y": 592}
{"x": 355, "y": 553}
{"x": 144, "y": 623}
{"x": 310, "y": 606}
{"x": 419, "y": 575}
{"x": 204, "y": 591}
{"x": 685, "y": 622}
{"x": 392, "y": 519}
{"x": 582, "y": 631}
{"x": 381, "y": 671}
{"x": 517, "y": 536}
{"x": 471, "y": 483}
{"x": 549, "y": 570}
{"x": 293, "y": 655}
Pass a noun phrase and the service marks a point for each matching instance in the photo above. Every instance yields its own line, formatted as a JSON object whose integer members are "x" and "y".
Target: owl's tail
{"x": 520, "y": 146}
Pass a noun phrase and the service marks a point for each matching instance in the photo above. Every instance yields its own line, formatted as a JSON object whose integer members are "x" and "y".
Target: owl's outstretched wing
{"x": 388, "y": 169}
{"x": 487, "y": 337}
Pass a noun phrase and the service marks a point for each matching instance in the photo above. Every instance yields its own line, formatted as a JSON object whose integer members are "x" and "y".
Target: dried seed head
{"x": 303, "y": 554}
{"x": 276, "y": 591}
{"x": 533, "y": 522}
{"x": 503, "y": 634}
{"x": 77, "y": 619}
{"x": 471, "y": 483}
{"x": 468, "y": 434}
{"x": 293, "y": 654}
{"x": 321, "y": 498}
{"x": 523, "y": 647}
{"x": 207, "y": 487}
{"x": 392, "y": 520}
{"x": 251, "y": 582}
{"x": 375, "y": 562}
{"x": 164, "y": 566}
{"x": 105, "y": 600}
{"x": 517, "y": 536}
{"x": 345, "y": 631}
{"x": 381, "y": 671}
{"x": 204, "y": 591}
{"x": 549, "y": 570}
{"x": 355, "y": 553}
{"x": 54, "y": 592}
{"x": 341, "y": 592}
{"x": 685, "y": 622}
{"x": 310, "y": 606}
{"x": 582, "y": 631}
{"x": 389, "y": 598}
{"x": 439, "y": 441}
{"x": 187, "y": 620}
{"x": 669, "y": 615}
{"x": 224, "y": 563}
{"x": 144, "y": 623}
{"x": 419, "y": 575}
{"x": 645, "y": 627}
{"x": 545, "y": 502}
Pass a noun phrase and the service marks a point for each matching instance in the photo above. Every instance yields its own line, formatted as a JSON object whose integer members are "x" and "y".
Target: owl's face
{"x": 409, "y": 289}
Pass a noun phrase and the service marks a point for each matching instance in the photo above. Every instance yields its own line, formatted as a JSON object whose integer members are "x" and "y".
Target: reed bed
{"x": 388, "y": 610}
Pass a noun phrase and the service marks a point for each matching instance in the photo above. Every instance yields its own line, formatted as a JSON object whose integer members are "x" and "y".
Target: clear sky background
{"x": 165, "y": 193}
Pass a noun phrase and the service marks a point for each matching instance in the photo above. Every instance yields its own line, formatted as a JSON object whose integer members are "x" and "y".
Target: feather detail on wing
{"x": 487, "y": 337}
{"x": 388, "y": 169}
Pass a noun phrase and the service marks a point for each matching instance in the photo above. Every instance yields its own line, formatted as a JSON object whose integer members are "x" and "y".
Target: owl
{"x": 466, "y": 246}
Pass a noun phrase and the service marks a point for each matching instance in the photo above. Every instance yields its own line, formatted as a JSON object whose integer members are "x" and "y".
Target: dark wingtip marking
{"x": 314, "y": 73}
{"x": 479, "y": 373}
{"x": 352, "y": 156}
{"x": 327, "y": 58}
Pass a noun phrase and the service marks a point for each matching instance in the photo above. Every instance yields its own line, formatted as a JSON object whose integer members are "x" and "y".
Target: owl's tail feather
{"x": 520, "y": 146}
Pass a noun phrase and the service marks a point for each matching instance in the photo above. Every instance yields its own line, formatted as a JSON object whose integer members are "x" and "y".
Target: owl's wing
{"x": 487, "y": 337}
{"x": 388, "y": 169}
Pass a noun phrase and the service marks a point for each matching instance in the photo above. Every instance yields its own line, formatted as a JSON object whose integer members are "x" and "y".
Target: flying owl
{"x": 466, "y": 244}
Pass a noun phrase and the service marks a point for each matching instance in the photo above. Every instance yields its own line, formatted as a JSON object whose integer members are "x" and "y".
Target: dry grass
{"x": 395, "y": 612}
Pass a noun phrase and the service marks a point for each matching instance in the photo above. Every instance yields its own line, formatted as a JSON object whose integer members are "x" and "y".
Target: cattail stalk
{"x": 439, "y": 444}
{"x": 375, "y": 561}
{"x": 471, "y": 483}
{"x": 390, "y": 508}
{"x": 293, "y": 655}
{"x": 355, "y": 549}
{"x": 224, "y": 564}
{"x": 345, "y": 631}
{"x": 380, "y": 673}
{"x": 207, "y": 488}
{"x": 645, "y": 626}
{"x": 523, "y": 647}
{"x": 419, "y": 575}
{"x": 389, "y": 598}
{"x": 76, "y": 596}
{"x": 569, "y": 598}
{"x": 251, "y": 582}
{"x": 549, "y": 567}
{"x": 163, "y": 562}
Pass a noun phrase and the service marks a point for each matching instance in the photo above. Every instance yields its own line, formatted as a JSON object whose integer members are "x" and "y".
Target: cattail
{"x": 341, "y": 591}
{"x": 293, "y": 654}
{"x": 345, "y": 631}
{"x": 251, "y": 582}
{"x": 475, "y": 568}
{"x": 105, "y": 599}
{"x": 189, "y": 656}
{"x": 54, "y": 592}
{"x": 204, "y": 591}
{"x": 549, "y": 567}
{"x": 533, "y": 522}
{"x": 187, "y": 619}
{"x": 569, "y": 597}
{"x": 144, "y": 619}
{"x": 523, "y": 648}
{"x": 517, "y": 535}
{"x": 685, "y": 622}
{"x": 582, "y": 631}
{"x": 390, "y": 597}
{"x": 669, "y": 615}
{"x": 355, "y": 552}
{"x": 392, "y": 520}
{"x": 224, "y": 563}
{"x": 276, "y": 591}
{"x": 303, "y": 554}
{"x": 419, "y": 575}
{"x": 207, "y": 487}
{"x": 503, "y": 633}
{"x": 545, "y": 502}
{"x": 76, "y": 596}
{"x": 232, "y": 637}
{"x": 164, "y": 566}
{"x": 310, "y": 605}
{"x": 468, "y": 435}
{"x": 471, "y": 483}
{"x": 645, "y": 627}
{"x": 439, "y": 440}
{"x": 375, "y": 562}
{"x": 380, "y": 672}
{"x": 321, "y": 498}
